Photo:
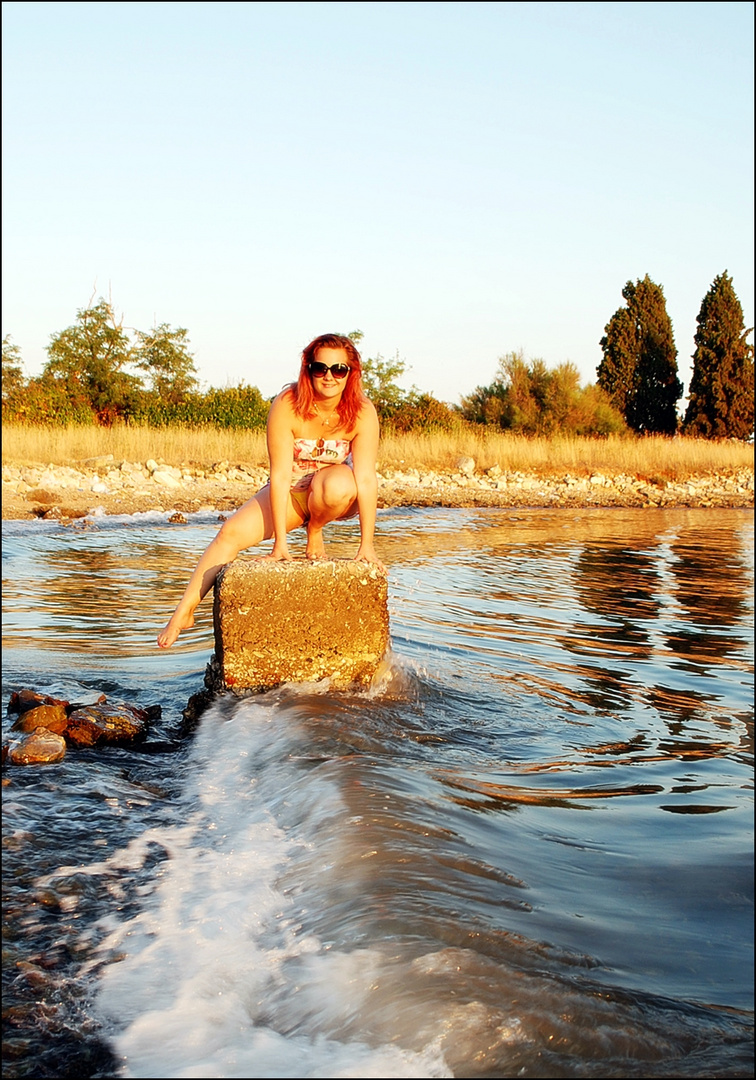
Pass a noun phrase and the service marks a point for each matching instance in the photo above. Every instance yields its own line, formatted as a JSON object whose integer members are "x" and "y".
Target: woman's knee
{"x": 230, "y": 538}
{"x": 334, "y": 487}
{"x": 243, "y": 529}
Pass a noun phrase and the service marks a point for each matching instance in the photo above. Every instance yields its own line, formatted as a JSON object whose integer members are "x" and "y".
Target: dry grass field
{"x": 647, "y": 458}
{"x": 72, "y": 445}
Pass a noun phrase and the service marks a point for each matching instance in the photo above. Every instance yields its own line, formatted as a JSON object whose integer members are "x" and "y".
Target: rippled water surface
{"x": 527, "y": 851}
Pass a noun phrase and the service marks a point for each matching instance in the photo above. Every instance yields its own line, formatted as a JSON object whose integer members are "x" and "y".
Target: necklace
{"x": 326, "y": 419}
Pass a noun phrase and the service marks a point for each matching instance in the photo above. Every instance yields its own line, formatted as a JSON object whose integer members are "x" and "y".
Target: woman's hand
{"x": 367, "y": 553}
{"x": 280, "y": 552}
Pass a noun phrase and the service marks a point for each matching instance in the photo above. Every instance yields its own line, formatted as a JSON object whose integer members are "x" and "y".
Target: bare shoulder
{"x": 367, "y": 417}
{"x": 282, "y": 407}
{"x": 285, "y": 399}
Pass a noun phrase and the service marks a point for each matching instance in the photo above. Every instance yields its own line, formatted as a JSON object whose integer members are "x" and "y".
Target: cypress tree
{"x": 639, "y": 367}
{"x": 720, "y": 399}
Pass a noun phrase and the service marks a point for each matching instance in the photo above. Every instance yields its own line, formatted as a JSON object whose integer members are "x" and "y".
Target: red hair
{"x": 352, "y": 398}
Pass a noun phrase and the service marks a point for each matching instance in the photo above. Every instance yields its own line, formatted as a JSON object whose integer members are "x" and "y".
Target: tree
{"x": 639, "y": 367}
{"x": 89, "y": 359}
{"x": 164, "y": 355}
{"x": 531, "y": 399}
{"x": 720, "y": 400}
{"x": 424, "y": 412}
{"x": 617, "y": 372}
{"x": 527, "y": 389}
{"x": 378, "y": 381}
{"x": 13, "y": 372}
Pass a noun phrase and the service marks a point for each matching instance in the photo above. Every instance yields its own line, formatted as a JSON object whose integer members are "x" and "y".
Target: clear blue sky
{"x": 457, "y": 180}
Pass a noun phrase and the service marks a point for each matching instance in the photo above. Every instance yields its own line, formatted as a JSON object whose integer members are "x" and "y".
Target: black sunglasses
{"x": 339, "y": 371}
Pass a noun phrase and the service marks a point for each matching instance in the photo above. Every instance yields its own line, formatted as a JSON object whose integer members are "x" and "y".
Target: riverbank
{"x": 105, "y": 485}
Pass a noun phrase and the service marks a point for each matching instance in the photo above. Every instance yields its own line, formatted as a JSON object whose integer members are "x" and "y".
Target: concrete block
{"x": 298, "y": 621}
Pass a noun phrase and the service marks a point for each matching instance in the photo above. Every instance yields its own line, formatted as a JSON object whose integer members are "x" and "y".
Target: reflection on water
{"x": 527, "y": 852}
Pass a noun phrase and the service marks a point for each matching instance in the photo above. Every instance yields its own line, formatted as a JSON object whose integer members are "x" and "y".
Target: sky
{"x": 455, "y": 180}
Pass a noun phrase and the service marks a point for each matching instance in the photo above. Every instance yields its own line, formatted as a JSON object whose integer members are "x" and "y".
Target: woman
{"x": 322, "y": 444}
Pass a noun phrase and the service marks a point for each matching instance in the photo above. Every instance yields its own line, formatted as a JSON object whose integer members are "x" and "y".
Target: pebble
{"x": 466, "y": 465}
{"x": 166, "y": 479}
{"x": 47, "y": 484}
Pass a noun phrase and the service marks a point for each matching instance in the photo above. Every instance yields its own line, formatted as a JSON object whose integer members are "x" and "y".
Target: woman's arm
{"x": 280, "y": 439}
{"x": 364, "y": 457}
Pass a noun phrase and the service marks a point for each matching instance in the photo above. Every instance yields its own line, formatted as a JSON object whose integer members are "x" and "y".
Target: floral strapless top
{"x": 310, "y": 455}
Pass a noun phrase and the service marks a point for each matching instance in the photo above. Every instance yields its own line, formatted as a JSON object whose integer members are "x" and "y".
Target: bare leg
{"x": 251, "y": 524}
{"x": 332, "y": 496}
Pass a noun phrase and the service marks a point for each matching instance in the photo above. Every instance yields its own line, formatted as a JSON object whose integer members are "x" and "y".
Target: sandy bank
{"x": 33, "y": 490}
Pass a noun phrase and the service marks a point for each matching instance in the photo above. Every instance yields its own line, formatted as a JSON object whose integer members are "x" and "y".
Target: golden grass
{"x": 646, "y": 457}
{"x": 69, "y": 445}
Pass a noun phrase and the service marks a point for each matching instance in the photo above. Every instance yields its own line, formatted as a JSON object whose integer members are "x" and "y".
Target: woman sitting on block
{"x": 322, "y": 444}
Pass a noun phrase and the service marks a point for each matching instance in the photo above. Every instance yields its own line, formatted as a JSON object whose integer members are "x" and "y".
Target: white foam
{"x": 218, "y": 976}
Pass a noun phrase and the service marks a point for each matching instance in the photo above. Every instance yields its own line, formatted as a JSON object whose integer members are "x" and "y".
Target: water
{"x": 526, "y": 852}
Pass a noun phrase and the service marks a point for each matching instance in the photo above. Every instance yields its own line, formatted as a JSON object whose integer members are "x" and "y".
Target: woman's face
{"x": 328, "y": 385}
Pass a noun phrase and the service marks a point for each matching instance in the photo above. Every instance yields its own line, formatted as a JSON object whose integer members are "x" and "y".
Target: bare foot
{"x": 175, "y": 625}
{"x": 315, "y": 547}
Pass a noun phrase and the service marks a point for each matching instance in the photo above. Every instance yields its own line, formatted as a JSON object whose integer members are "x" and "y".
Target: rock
{"x": 165, "y": 479}
{"x": 96, "y": 724}
{"x": 299, "y": 621}
{"x": 177, "y": 518}
{"x": 38, "y": 747}
{"x": 196, "y": 705}
{"x": 22, "y": 700}
{"x": 39, "y": 495}
{"x": 52, "y": 717}
{"x": 466, "y": 465}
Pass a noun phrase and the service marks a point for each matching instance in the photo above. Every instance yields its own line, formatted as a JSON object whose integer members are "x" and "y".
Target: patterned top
{"x": 311, "y": 455}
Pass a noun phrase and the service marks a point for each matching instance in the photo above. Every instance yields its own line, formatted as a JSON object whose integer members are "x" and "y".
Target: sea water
{"x": 525, "y": 851}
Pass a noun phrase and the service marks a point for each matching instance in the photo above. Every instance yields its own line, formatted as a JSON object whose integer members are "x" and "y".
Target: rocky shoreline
{"x": 104, "y": 485}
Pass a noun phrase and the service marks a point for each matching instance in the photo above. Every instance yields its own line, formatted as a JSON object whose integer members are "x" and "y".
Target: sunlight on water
{"x": 528, "y": 851}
